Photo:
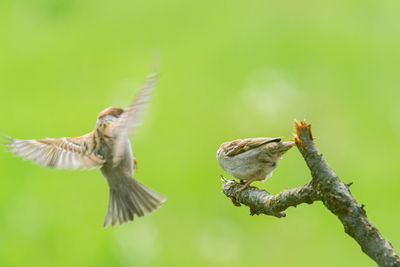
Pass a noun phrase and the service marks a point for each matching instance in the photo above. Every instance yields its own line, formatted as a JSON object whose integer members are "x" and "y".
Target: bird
{"x": 106, "y": 148}
{"x": 252, "y": 159}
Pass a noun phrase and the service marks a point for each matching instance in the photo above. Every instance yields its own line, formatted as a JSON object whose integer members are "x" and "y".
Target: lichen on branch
{"x": 261, "y": 202}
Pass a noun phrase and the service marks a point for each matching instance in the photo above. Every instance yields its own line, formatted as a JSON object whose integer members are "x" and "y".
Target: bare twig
{"x": 261, "y": 202}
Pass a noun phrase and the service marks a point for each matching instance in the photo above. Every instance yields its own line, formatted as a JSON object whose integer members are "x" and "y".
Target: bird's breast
{"x": 124, "y": 166}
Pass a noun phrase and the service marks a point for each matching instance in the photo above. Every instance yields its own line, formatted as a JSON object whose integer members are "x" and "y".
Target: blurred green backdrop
{"x": 229, "y": 69}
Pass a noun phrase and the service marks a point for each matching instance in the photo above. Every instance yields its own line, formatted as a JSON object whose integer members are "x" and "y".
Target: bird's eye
{"x": 109, "y": 118}
{"x": 273, "y": 165}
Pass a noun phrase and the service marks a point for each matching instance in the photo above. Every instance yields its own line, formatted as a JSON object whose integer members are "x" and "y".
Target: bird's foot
{"x": 246, "y": 185}
{"x": 233, "y": 182}
{"x": 223, "y": 179}
{"x": 135, "y": 164}
{"x": 242, "y": 188}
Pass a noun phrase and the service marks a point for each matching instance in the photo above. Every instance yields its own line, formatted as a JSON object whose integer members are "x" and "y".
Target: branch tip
{"x": 299, "y": 127}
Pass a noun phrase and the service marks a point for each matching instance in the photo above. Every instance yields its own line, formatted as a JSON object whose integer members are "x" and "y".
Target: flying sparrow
{"x": 106, "y": 148}
{"x": 252, "y": 159}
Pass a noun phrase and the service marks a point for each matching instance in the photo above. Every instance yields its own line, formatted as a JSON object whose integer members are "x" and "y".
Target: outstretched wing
{"x": 60, "y": 153}
{"x": 131, "y": 118}
{"x": 242, "y": 145}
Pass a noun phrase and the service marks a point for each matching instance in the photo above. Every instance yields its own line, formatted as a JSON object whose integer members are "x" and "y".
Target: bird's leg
{"x": 134, "y": 164}
{"x": 246, "y": 185}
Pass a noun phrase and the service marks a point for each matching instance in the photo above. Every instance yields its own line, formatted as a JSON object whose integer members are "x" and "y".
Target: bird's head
{"x": 277, "y": 149}
{"x": 109, "y": 114}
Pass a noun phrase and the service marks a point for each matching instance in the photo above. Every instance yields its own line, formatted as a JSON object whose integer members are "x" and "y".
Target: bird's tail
{"x": 130, "y": 199}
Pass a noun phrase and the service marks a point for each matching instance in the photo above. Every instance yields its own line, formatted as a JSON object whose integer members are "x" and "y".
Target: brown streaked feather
{"x": 239, "y": 146}
{"x": 131, "y": 118}
{"x": 61, "y": 153}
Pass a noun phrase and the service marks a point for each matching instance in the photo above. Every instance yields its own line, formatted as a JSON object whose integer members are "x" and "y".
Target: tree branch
{"x": 326, "y": 186}
{"x": 261, "y": 202}
{"x": 337, "y": 198}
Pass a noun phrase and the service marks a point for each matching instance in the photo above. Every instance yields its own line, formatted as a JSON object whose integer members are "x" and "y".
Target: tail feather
{"x": 123, "y": 210}
{"x": 131, "y": 199}
{"x": 135, "y": 202}
{"x": 142, "y": 201}
{"x": 152, "y": 198}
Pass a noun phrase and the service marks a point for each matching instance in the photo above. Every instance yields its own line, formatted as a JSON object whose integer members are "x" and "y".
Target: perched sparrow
{"x": 252, "y": 159}
{"x": 107, "y": 148}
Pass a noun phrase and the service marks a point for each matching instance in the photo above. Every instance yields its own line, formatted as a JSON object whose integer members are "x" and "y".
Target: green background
{"x": 229, "y": 69}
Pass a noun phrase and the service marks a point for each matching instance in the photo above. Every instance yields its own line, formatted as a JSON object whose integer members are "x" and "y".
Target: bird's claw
{"x": 223, "y": 179}
{"x": 135, "y": 166}
{"x": 246, "y": 185}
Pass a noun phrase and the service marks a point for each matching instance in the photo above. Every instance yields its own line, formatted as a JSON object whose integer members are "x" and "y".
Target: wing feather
{"x": 131, "y": 118}
{"x": 60, "y": 153}
{"x": 242, "y": 145}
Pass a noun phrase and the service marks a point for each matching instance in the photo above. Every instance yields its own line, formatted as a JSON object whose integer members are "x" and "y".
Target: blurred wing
{"x": 60, "y": 153}
{"x": 131, "y": 117}
{"x": 242, "y": 145}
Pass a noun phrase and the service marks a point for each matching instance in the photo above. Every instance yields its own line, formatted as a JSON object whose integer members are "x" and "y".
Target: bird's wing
{"x": 131, "y": 118}
{"x": 60, "y": 153}
{"x": 242, "y": 145}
